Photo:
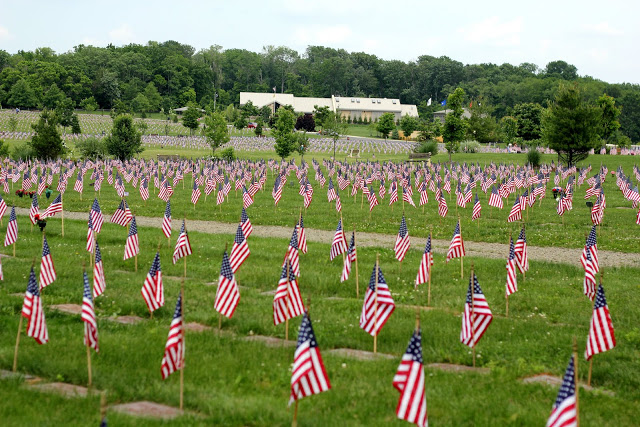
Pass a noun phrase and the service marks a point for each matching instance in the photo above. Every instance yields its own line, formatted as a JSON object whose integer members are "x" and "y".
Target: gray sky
{"x": 601, "y": 38}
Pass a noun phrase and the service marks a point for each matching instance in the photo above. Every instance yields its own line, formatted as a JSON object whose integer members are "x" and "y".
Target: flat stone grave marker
{"x": 359, "y": 354}
{"x": 148, "y": 409}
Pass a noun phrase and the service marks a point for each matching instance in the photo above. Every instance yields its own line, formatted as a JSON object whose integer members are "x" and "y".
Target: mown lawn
{"x": 229, "y": 381}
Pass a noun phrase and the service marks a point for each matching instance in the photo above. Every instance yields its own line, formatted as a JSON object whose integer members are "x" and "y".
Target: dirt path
{"x": 479, "y": 249}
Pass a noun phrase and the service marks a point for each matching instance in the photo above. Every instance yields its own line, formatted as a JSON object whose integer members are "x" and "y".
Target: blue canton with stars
{"x": 415, "y": 347}
{"x": 306, "y": 332}
{"x": 568, "y": 387}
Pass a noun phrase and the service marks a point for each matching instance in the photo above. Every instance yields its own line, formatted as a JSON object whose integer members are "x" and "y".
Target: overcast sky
{"x": 601, "y": 38}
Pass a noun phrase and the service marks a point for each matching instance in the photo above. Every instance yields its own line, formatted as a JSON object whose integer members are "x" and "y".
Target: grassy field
{"x": 544, "y": 226}
{"x": 229, "y": 381}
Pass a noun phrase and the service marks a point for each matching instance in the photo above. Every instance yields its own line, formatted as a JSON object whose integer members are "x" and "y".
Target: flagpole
{"x": 506, "y": 293}
{"x": 375, "y": 307}
{"x": 462, "y": 257}
{"x": 472, "y": 320}
{"x": 294, "y": 423}
{"x": 591, "y": 359}
{"x": 429, "y": 277}
{"x": 286, "y": 322}
{"x": 15, "y": 352}
{"x": 62, "y": 215}
{"x": 575, "y": 378}
{"x": 183, "y": 335}
{"x": 345, "y": 238}
{"x": 355, "y": 249}
{"x": 524, "y": 273}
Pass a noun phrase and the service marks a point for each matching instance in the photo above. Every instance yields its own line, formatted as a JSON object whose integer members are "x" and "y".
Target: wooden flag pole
{"x": 429, "y": 278}
{"x": 103, "y": 405}
{"x": 375, "y": 307}
{"x": 294, "y": 423}
{"x": 591, "y": 359}
{"x": 524, "y": 273}
{"x": 183, "y": 337}
{"x": 462, "y": 257}
{"x": 61, "y": 215}
{"x": 575, "y": 378}
{"x": 15, "y": 352}
{"x": 286, "y": 322}
{"x": 472, "y": 322}
{"x": 88, "y": 348}
{"x": 355, "y": 249}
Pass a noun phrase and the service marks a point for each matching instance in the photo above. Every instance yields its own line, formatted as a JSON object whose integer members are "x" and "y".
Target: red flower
{"x": 37, "y": 217}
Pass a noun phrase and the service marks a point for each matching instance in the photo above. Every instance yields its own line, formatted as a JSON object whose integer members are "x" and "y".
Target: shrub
{"x": 395, "y": 134}
{"x": 533, "y": 157}
{"x": 22, "y": 151}
{"x": 427, "y": 147}
{"x": 92, "y": 148}
{"x": 4, "y": 149}
{"x": 469, "y": 147}
{"x": 228, "y": 154}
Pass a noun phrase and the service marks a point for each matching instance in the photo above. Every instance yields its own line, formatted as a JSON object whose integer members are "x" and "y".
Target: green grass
{"x": 544, "y": 226}
{"x": 232, "y": 382}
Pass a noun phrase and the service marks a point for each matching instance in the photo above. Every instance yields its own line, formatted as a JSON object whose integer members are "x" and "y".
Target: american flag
{"x": 144, "y": 189}
{"x": 119, "y": 186}
{"x": 79, "y": 184}
{"x": 173, "y": 359}
{"x": 382, "y": 190}
{"x": 34, "y": 210}
{"x": 456, "y": 247}
{"x": 495, "y": 199}
{"x": 247, "y": 200}
{"x": 96, "y": 216}
{"x": 183, "y": 246}
{"x": 442, "y": 203}
{"x": 99, "y": 283}
{"x": 597, "y": 211}
{"x": 406, "y": 196}
{"x": 601, "y": 336}
{"x": 338, "y": 203}
{"x": 302, "y": 236}
{"x": 409, "y": 381}
{"x": 54, "y": 207}
{"x": 403, "y": 243}
{"x": 565, "y": 412}
{"x": 277, "y": 190}
{"x": 477, "y": 209}
{"x": 26, "y": 181}
{"x": 308, "y": 376}
{"x": 516, "y": 211}
{"x": 292, "y": 253}
{"x": 33, "y": 312}
{"x": 12, "y": 228}
{"x": 339, "y": 244}
{"x": 166, "y": 220}
{"x": 512, "y": 280}
{"x": 89, "y": 317}
{"x": 477, "y": 316}
{"x": 349, "y": 259}
{"x": 195, "y": 193}
{"x": 378, "y": 303}
{"x": 522, "y": 254}
{"x": 132, "y": 246}
{"x": 247, "y": 228}
{"x": 373, "y": 200}
{"x": 47, "y": 269}
{"x": 153, "y": 289}
{"x": 228, "y": 294}
{"x": 425, "y": 263}
{"x": 165, "y": 191}
{"x": 3, "y": 208}
{"x": 589, "y": 260}
{"x": 393, "y": 193}
{"x": 122, "y": 216}
{"x": 239, "y": 251}
{"x": 287, "y": 302}
{"x": 331, "y": 192}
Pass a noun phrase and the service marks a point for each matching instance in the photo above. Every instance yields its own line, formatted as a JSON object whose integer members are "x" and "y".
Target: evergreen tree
{"x": 125, "y": 141}
{"x": 46, "y": 143}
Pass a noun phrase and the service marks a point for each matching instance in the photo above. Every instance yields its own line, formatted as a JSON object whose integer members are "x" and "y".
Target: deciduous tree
{"x": 386, "y": 123}
{"x": 216, "y": 130}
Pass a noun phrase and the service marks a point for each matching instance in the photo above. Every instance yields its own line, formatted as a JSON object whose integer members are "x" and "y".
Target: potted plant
{"x": 20, "y": 193}
{"x": 42, "y": 223}
{"x": 47, "y": 191}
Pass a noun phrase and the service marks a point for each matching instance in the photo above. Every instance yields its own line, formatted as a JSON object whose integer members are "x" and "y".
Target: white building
{"x": 349, "y": 107}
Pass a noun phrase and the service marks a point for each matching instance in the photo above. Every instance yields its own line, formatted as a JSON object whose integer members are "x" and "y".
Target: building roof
{"x": 342, "y": 103}
{"x": 442, "y": 113}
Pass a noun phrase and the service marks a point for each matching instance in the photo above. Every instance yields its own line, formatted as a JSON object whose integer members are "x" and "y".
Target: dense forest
{"x": 161, "y": 76}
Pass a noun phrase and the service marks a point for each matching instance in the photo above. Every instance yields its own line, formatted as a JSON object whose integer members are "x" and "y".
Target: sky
{"x": 601, "y": 38}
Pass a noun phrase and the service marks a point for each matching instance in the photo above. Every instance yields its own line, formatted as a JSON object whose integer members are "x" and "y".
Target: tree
{"x": 429, "y": 129}
{"x": 455, "y": 127}
{"x": 259, "y": 126}
{"x": 190, "y": 117}
{"x": 75, "y": 124}
{"x": 509, "y": 129}
{"x": 408, "y": 125}
{"x": 609, "y": 114}
{"x": 216, "y": 130}
{"x": 561, "y": 70}
{"x": 52, "y": 97}
{"x": 46, "y": 143}
{"x": 4, "y": 149}
{"x": 22, "y": 95}
{"x": 302, "y": 143}
{"x": 64, "y": 111}
{"x": 529, "y": 120}
{"x": 249, "y": 109}
{"x": 320, "y": 114}
{"x": 241, "y": 122}
{"x": 91, "y": 148}
{"x": 571, "y": 126}
{"x": 481, "y": 126}
{"x": 306, "y": 122}
{"x": 153, "y": 97}
{"x": 89, "y": 104}
{"x": 265, "y": 113}
{"x": 630, "y": 115}
{"x": 283, "y": 132}
{"x": 140, "y": 104}
{"x": 125, "y": 140}
{"x": 386, "y": 123}
{"x": 334, "y": 127}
